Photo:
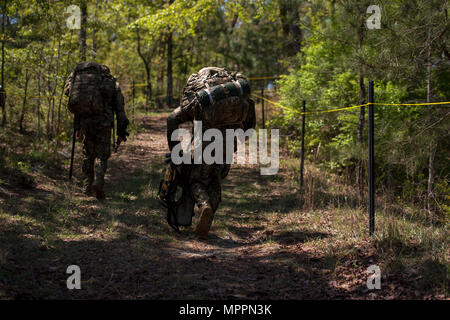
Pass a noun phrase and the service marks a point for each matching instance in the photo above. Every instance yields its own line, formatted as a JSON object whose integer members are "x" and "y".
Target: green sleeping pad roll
{"x": 222, "y": 91}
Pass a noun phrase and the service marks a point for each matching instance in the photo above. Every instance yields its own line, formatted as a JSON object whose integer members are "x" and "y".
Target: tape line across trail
{"x": 350, "y": 107}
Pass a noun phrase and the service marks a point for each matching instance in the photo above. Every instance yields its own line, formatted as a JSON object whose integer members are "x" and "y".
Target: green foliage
{"x": 337, "y": 50}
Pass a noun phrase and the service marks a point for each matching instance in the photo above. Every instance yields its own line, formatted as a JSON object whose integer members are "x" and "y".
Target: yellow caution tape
{"x": 350, "y": 107}
{"x": 275, "y": 103}
{"x": 136, "y": 85}
{"x": 310, "y": 112}
{"x": 410, "y": 104}
{"x": 284, "y": 107}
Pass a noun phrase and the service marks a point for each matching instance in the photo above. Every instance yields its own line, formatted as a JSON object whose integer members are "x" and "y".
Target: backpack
{"x": 180, "y": 207}
{"x": 221, "y": 97}
{"x": 91, "y": 87}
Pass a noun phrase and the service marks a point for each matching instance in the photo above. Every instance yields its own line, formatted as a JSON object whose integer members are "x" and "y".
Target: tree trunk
{"x": 160, "y": 74}
{"x": 49, "y": 100}
{"x": 432, "y": 148}
{"x": 146, "y": 62}
{"x": 169, "y": 70}
{"x": 94, "y": 30}
{"x": 83, "y": 31}
{"x": 133, "y": 92}
{"x": 39, "y": 104}
{"x": 24, "y": 105}
{"x": 429, "y": 68}
{"x": 289, "y": 16}
{"x": 47, "y": 126}
{"x": 169, "y": 66}
{"x": 58, "y": 119}
{"x": 432, "y": 144}
{"x": 69, "y": 56}
{"x": 2, "y": 90}
{"x": 53, "y": 92}
{"x": 362, "y": 112}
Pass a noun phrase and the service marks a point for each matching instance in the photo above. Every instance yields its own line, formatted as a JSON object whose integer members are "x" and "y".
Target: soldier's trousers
{"x": 96, "y": 144}
{"x": 206, "y": 184}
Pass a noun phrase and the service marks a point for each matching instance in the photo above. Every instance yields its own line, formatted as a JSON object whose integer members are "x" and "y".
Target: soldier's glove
{"x": 123, "y": 136}
{"x": 122, "y": 130}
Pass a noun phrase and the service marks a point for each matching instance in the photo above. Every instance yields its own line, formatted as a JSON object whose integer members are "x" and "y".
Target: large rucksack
{"x": 220, "y": 97}
{"x": 92, "y": 86}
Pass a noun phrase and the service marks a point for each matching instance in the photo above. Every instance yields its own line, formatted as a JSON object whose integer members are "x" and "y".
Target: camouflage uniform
{"x": 97, "y": 139}
{"x": 205, "y": 180}
{"x": 206, "y": 183}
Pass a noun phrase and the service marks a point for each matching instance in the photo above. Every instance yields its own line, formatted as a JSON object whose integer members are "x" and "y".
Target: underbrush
{"x": 409, "y": 243}
{"x": 25, "y": 158}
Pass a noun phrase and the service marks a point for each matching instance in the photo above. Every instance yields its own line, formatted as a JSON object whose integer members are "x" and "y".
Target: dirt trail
{"x": 244, "y": 257}
{"x": 260, "y": 245}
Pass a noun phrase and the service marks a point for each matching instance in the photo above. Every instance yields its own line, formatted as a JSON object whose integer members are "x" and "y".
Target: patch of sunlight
{"x": 113, "y": 225}
{"x": 17, "y": 219}
{"x": 269, "y": 241}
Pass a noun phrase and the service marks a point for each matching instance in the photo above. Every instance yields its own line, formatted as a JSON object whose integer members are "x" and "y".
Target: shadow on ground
{"x": 126, "y": 250}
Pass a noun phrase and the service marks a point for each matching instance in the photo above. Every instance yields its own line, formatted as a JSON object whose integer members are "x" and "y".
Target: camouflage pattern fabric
{"x": 114, "y": 104}
{"x": 206, "y": 184}
{"x": 96, "y": 144}
{"x": 205, "y": 180}
{"x": 189, "y": 109}
{"x": 97, "y": 137}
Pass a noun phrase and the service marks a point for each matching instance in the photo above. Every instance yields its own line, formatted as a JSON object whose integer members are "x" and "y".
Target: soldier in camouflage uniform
{"x": 95, "y": 132}
{"x": 205, "y": 180}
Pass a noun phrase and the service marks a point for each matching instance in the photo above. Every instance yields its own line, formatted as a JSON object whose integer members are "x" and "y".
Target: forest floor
{"x": 262, "y": 244}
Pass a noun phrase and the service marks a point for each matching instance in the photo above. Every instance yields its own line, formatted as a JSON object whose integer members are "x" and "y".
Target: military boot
{"x": 100, "y": 180}
{"x": 87, "y": 186}
{"x": 206, "y": 218}
{"x": 88, "y": 173}
{"x": 99, "y": 193}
